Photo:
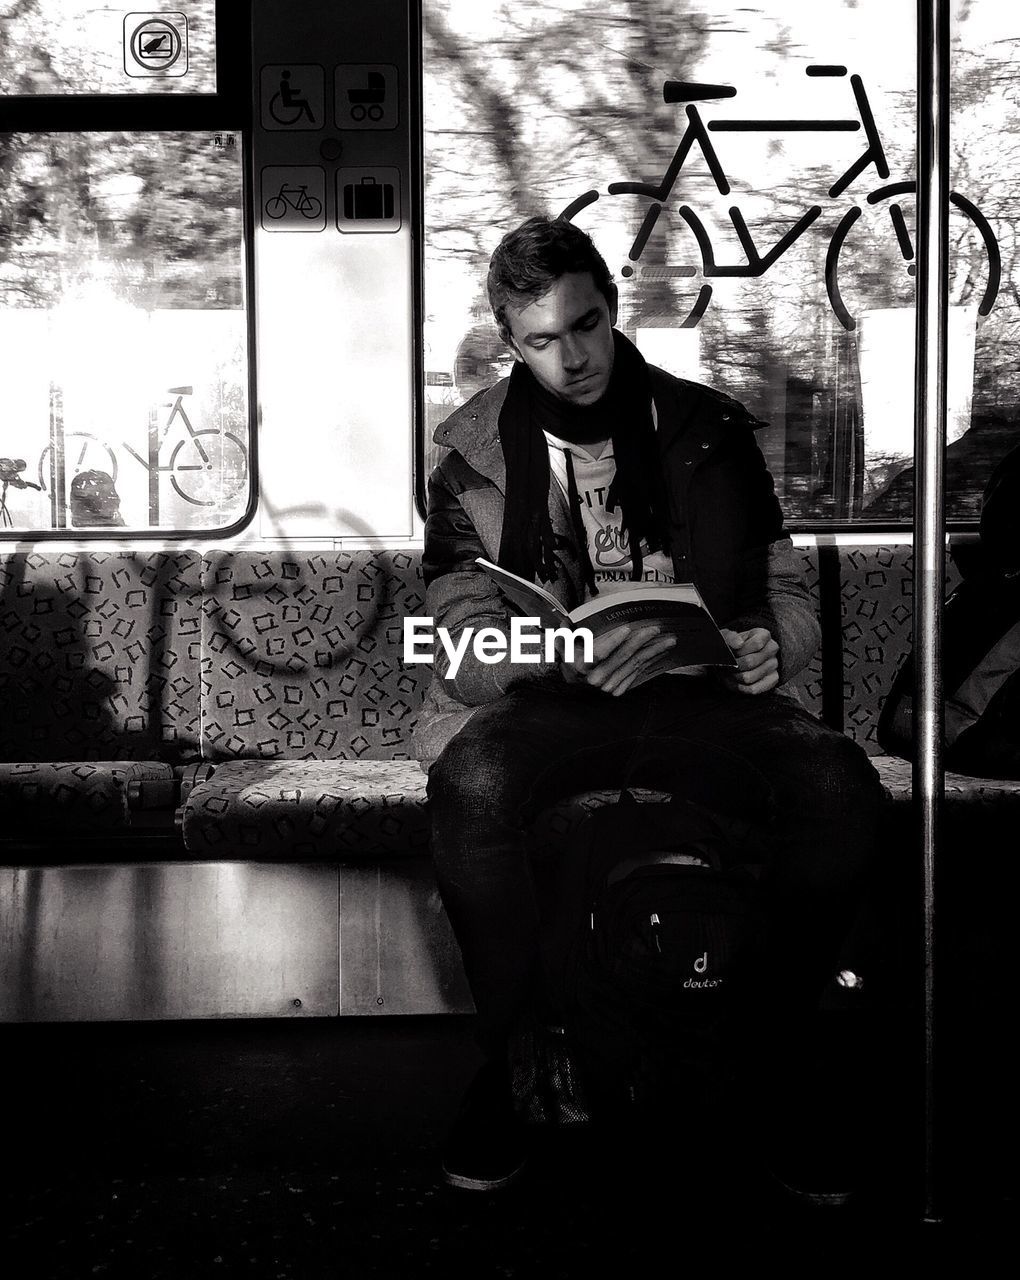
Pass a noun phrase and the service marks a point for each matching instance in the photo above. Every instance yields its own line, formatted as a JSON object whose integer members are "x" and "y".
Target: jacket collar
{"x": 686, "y": 413}
{"x": 473, "y": 432}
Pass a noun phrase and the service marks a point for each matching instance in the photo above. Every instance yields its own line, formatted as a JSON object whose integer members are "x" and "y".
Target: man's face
{"x": 565, "y": 337}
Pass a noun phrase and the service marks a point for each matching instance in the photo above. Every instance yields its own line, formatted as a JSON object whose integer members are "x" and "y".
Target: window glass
{"x": 124, "y": 332}
{"x": 747, "y": 175}
{"x": 78, "y": 46}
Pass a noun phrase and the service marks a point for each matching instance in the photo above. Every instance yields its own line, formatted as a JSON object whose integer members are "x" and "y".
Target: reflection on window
{"x": 79, "y": 46}
{"x": 123, "y": 331}
{"x": 748, "y": 176}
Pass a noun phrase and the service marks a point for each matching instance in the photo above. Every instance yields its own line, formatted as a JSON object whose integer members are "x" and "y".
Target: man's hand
{"x": 757, "y": 656}
{"x": 620, "y": 657}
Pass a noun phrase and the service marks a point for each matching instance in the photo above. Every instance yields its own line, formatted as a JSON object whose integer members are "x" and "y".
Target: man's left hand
{"x": 757, "y": 656}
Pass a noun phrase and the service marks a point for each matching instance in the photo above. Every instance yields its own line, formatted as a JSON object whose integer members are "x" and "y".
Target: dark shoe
{"x": 486, "y": 1148}
{"x": 814, "y": 1153}
{"x": 822, "y": 1179}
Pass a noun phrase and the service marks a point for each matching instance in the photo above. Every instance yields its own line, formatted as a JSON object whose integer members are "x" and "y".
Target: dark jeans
{"x": 547, "y": 740}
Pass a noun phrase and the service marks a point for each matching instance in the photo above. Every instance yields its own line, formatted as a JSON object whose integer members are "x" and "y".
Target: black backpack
{"x": 981, "y": 648}
{"x": 655, "y": 913}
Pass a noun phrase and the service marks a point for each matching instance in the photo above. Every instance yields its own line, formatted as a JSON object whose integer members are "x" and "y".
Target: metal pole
{"x": 929, "y": 503}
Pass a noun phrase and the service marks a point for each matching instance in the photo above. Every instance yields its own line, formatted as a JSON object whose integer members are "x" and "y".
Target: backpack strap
{"x": 660, "y": 858}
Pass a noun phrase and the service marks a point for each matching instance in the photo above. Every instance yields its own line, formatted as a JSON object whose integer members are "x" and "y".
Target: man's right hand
{"x": 620, "y": 657}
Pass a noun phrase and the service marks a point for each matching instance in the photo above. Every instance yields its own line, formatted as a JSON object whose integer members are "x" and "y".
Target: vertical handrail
{"x": 929, "y": 508}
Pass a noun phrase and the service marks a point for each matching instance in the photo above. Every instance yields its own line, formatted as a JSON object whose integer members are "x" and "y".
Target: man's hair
{"x": 528, "y": 261}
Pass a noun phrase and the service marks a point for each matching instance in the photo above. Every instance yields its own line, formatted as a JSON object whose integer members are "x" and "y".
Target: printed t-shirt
{"x": 608, "y": 545}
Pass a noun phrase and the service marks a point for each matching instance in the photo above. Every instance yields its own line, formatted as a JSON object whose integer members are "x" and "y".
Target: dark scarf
{"x": 624, "y": 415}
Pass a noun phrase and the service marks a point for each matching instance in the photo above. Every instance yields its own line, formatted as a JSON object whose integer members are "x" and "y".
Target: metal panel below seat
{"x": 168, "y": 940}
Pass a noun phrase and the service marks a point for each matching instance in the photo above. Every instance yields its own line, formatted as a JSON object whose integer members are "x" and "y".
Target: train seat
{"x": 335, "y": 810}
{"x": 282, "y": 672}
{"x": 81, "y": 797}
{"x": 966, "y": 796}
{"x": 270, "y": 686}
{"x": 100, "y": 655}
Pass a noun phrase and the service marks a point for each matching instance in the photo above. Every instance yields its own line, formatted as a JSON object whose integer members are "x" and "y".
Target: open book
{"x": 676, "y": 609}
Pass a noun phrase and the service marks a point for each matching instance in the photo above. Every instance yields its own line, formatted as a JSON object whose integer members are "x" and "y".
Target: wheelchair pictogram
{"x": 288, "y": 104}
{"x": 293, "y": 97}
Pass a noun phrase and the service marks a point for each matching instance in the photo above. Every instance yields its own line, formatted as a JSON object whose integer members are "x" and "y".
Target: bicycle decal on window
{"x": 207, "y": 467}
{"x": 703, "y": 265}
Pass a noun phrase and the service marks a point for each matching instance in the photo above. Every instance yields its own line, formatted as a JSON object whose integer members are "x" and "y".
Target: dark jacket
{"x": 726, "y": 537}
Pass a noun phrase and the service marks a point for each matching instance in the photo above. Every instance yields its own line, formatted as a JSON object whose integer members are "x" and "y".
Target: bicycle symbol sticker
{"x": 156, "y": 44}
{"x": 206, "y": 466}
{"x": 366, "y": 96}
{"x": 698, "y": 264}
{"x": 293, "y": 97}
{"x": 293, "y": 198}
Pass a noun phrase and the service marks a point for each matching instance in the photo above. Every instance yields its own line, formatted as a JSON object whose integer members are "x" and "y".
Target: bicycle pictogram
{"x": 207, "y": 452}
{"x": 207, "y": 468}
{"x": 82, "y": 451}
{"x": 296, "y": 198}
{"x": 756, "y": 263}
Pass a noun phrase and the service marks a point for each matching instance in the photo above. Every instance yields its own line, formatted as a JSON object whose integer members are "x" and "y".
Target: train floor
{"x": 308, "y": 1149}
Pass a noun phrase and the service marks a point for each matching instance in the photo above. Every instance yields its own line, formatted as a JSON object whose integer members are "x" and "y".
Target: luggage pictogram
{"x": 368, "y": 200}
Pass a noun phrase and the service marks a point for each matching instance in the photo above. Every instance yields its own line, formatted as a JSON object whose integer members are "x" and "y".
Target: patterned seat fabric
{"x": 99, "y": 655}
{"x": 80, "y": 796}
{"x": 876, "y": 590}
{"x": 335, "y": 810}
{"x": 962, "y": 791}
{"x": 308, "y": 810}
{"x": 808, "y": 683}
{"x": 286, "y": 668}
{"x": 301, "y": 655}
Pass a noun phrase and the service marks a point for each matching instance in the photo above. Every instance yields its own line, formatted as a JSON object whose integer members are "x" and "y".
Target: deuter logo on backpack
{"x": 702, "y": 984}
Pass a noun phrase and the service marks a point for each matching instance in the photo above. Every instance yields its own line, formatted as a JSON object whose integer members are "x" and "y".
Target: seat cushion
{"x": 335, "y": 810}
{"x": 962, "y": 791}
{"x": 84, "y": 796}
{"x": 299, "y": 810}
{"x": 301, "y": 655}
{"x": 99, "y": 655}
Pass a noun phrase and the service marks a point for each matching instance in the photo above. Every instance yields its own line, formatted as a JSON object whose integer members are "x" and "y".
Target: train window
{"x": 124, "y": 318}
{"x": 124, "y": 332}
{"x": 748, "y": 175}
{"x": 80, "y": 47}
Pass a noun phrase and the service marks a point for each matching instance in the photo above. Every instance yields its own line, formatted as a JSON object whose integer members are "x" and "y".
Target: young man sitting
{"x": 586, "y": 468}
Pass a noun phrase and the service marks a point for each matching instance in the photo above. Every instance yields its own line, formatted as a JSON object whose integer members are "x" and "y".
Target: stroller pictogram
{"x": 368, "y": 101}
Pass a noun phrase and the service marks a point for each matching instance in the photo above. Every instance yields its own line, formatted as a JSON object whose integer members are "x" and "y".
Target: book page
{"x": 531, "y": 599}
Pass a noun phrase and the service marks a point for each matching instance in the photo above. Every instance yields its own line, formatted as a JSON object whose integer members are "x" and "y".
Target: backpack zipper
{"x": 655, "y": 923}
